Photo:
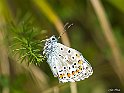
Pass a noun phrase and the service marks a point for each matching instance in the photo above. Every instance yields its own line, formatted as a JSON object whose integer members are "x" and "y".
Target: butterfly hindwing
{"x": 71, "y": 64}
{"x": 66, "y": 63}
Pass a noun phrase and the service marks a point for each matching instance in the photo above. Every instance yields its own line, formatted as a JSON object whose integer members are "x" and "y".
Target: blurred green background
{"x": 98, "y": 33}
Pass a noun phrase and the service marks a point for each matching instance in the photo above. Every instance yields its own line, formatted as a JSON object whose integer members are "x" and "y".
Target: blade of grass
{"x": 107, "y": 31}
{"x": 4, "y": 62}
{"x": 52, "y": 16}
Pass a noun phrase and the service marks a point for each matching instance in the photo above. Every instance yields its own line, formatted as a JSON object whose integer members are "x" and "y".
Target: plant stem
{"x": 52, "y": 16}
{"x": 73, "y": 87}
{"x": 107, "y": 31}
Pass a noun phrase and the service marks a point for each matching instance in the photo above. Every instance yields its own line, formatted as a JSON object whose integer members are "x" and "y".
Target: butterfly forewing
{"x": 66, "y": 63}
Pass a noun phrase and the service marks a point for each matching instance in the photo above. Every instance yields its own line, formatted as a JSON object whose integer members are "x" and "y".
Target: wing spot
{"x": 69, "y": 51}
{"x": 77, "y": 70}
{"x": 80, "y": 62}
{"x": 60, "y": 70}
{"x": 61, "y": 76}
{"x": 69, "y": 75}
{"x": 72, "y": 57}
{"x": 72, "y": 66}
{"x": 64, "y": 67}
{"x": 61, "y": 48}
{"x": 77, "y": 55}
{"x": 80, "y": 67}
{"x": 73, "y": 72}
{"x": 74, "y": 63}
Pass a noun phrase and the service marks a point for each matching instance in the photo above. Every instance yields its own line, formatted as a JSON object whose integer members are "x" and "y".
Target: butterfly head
{"x": 51, "y": 40}
{"x": 50, "y": 43}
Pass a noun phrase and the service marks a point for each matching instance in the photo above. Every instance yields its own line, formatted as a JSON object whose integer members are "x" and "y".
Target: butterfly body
{"x": 66, "y": 63}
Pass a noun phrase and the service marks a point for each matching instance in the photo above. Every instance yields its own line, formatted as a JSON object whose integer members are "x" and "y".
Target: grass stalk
{"x": 117, "y": 62}
{"x": 52, "y": 16}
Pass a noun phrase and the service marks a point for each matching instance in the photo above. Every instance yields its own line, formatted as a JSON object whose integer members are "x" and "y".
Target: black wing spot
{"x": 72, "y": 57}
{"x": 61, "y": 48}
{"x": 72, "y": 66}
{"x": 64, "y": 67}
{"x": 69, "y": 51}
{"x": 74, "y": 63}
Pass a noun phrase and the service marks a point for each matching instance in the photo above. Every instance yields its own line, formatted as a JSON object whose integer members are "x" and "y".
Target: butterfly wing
{"x": 69, "y": 65}
{"x": 51, "y": 60}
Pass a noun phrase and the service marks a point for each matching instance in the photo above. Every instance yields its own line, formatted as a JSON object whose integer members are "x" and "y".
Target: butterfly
{"x": 66, "y": 63}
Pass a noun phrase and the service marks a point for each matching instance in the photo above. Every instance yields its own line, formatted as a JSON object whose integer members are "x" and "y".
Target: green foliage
{"x": 24, "y": 38}
{"x": 118, "y": 4}
{"x": 4, "y": 82}
{"x": 25, "y": 43}
{"x": 17, "y": 84}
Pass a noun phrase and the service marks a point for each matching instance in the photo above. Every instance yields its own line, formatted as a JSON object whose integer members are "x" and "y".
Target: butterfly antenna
{"x": 65, "y": 29}
{"x": 66, "y": 24}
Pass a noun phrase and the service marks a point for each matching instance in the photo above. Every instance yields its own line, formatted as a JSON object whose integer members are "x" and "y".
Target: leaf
{"x": 118, "y": 4}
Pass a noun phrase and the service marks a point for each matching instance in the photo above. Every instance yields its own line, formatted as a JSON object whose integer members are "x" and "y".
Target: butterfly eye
{"x": 53, "y": 38}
